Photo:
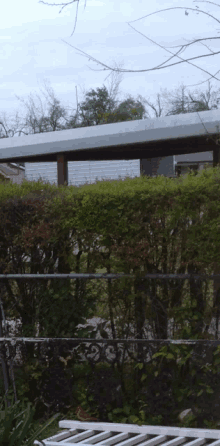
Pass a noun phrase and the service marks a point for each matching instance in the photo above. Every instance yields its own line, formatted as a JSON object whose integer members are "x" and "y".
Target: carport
{"x": 147, "y": 140}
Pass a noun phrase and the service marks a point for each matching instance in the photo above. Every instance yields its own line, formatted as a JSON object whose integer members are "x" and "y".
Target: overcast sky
{"x": 32, "y": 50}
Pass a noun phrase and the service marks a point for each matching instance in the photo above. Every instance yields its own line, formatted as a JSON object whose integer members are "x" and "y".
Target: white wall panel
{"x": 81, "y": 171}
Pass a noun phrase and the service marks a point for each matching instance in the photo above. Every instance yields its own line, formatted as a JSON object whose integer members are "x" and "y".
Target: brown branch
{"x": 162, "y": 65}
{"x": 175, "y": 7}
{"x": 206, "y": 1}
{"x": 194, "y": 41}
{"x": 149, "y": 69}
{"x": 176, "y": 55}
{"x": 63, "y": 6}
{"x": 59, "y": 4}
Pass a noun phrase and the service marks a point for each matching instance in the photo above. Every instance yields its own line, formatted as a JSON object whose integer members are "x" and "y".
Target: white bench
{"x": 109, "y": 434}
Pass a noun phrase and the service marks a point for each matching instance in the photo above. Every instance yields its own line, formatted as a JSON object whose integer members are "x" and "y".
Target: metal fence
{"x": 96, "y": 350}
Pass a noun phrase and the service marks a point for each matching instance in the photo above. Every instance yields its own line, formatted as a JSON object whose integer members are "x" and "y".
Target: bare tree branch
{"x": 205, "y": 1}
{"x": 158, "y": 112}
{"x": 15, "y": 126}
{"x": 59, "y": 4}
{"x": 159, "y": 67}
{"x": 176, "y": 55}
{"x": 187, "y": 44}
{"x": 176, "y": 7}
{"x": 39, "y": 121}
{"x": 202, "y": 43}
{"x": 164, "y": 64}
{"x": 63, "y": 6}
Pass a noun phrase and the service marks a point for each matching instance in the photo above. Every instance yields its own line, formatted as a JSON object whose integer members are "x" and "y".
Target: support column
{"x": 157, "y": 166}
{"x": 216, "y": 156}
{"x": 150, "y": 166}
{"x": 62, "y": 170}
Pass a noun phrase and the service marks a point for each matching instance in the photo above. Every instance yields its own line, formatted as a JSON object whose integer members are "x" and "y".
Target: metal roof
{"x": 109, "y": 434}
{"x": 147, "y": 138}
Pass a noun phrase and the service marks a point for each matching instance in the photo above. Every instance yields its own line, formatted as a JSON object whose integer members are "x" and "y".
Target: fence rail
{"x": 115, "y": 341}
{"x": 109, "y": 276}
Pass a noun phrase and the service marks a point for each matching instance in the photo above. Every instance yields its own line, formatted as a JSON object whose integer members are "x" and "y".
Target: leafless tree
{"x": 6, "y": 130}
{"x": 156, "y": 108}
{"x": 174, "y": 54}
{"x": 183, "y": 102}
{"x": 37, "y": 120}
{"x": 179, "y": 101}
{"x": 9, "y": 130}
{"x": 113, "y": 87}
{"x": 189, "y": 103}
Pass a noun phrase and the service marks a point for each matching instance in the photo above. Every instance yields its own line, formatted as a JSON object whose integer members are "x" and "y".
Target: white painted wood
{"x": 109, "y": 434}
{"x": 80, "y": 172}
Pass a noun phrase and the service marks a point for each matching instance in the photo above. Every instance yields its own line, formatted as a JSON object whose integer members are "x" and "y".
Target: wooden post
{"x": 62, "y": 170}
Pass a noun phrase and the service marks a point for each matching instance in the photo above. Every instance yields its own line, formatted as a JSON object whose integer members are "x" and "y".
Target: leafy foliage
{"x": 96, "y": 104}
{"x": 16, "y": 427}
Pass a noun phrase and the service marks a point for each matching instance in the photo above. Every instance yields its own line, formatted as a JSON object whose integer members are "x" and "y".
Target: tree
{"x": 182, "y": 102}
{"x": 128, "y": 110}
{"x": 96, "y": 104}
{"x": 9, "y": 130}
{"x": 104, "y": 99}
{"x": 173, "y": 54}
{"x": 101, "y": 107}
{"x": 37, "y": 120}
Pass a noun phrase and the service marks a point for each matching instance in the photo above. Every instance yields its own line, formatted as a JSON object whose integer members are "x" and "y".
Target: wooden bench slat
{"x": 110, "y": 434}
{"x": 145, "y": 429}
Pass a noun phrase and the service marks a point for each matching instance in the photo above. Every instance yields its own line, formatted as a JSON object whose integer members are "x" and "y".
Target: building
{"x": 81, "y": 172}
{"x": 12, "y": 172}
{"x": 163, "y": 146}
{"x": 194, "y": 161}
